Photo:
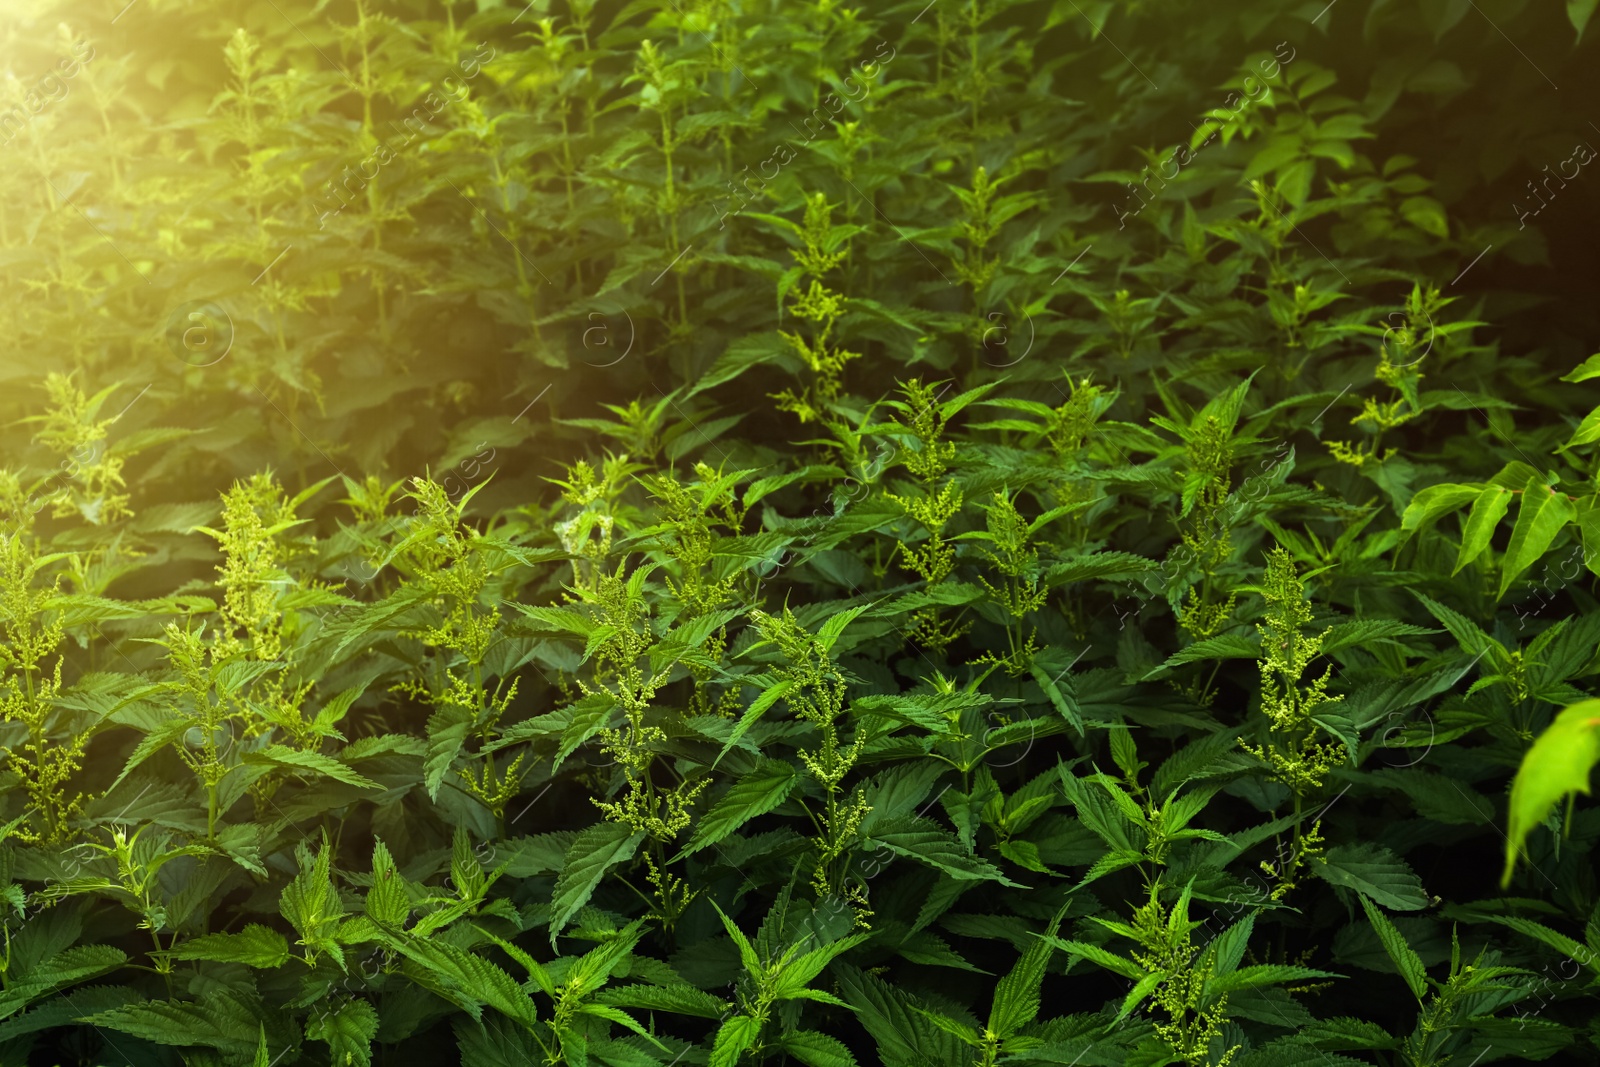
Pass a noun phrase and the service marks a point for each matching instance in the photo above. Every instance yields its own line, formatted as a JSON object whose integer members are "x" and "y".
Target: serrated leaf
{"x": 1361, "y": 631}
{"x": 758, "y": 707}
{"x": 1563, "y": 944}
{"x": 299, "y": 759}
{"x": 218, "y": 1021}
{"x": 1221, "y": 647}
{"x": 595, "y": 851}
{"x": 1101, "y": 956}
{"x": 66, "y": 968}
{"x": 800, "y": 971}
{"x": 734, "y": 1037}
{"x": 85, "y": 1001}
{"x": 753, "y": 795}
{"x": 1543, "y": 515}
{"x": 1263, "y": 976}
{"x": 311, "y": 903}
{"x": 348, "y": 1030}
{"x": 1059, "y": 696}
{"x": 816, "y": 1050}
{"x": 254, "y": 946}
{"x": 468, "y": 979}
{"x": 1016, "y": 996}
{"x": 893, "y": 1018}
{"x": 1394, "y": 943}
{"x": 678, "y": 999}
{"x": 1375, "y": 872}
{"x": 447, "y": 733}
{"x": 386, "y": 902}
{"x": 924, "y": 841}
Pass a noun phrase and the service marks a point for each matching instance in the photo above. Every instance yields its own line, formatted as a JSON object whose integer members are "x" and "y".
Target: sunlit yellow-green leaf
{"x": 1558, "y": 765}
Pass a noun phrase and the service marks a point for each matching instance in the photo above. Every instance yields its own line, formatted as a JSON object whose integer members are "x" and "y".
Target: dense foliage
{"x": 718, "y": 532}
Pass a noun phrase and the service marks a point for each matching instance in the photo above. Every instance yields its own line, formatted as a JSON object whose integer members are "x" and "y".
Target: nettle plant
{"x": 470, "y": 593}
{"x": 313, "y": 821}
{"x": 778, "y": 807}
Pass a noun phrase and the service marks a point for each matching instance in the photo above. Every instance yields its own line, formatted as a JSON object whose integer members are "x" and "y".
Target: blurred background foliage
{"x": 405, "y": 223}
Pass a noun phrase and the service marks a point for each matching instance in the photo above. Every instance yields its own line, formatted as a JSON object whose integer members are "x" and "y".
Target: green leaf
{"x": 596, "y": 966}
{"x": 1105, "y": 958}
{"x": 1260, "y": 977}
{"x": 467, "y": 979}
{"x": 1439, "y": 797}
{"x": 1347, "y": 1033}
{"x": 79, "y": 609}
{"x": 620, "y": 1017}
{"x": 755, "y": 794}
{"x": 1589, "y": 368}
{"x": 1405, "y": 958}
{"x": 1469, "y": 637}
{"x": 1066, "y": 706}
{"x": 924, "y": 841}
{"x": 1514, "y": 475}
{"x": 525, "y": 857}
{"x": 831, "y": 630}
{"x": 1276, "y": 154}
{"x": 747, "y": 952}
{"x": 816, "y": 1050}
{"x": 588, "y": 717}
{"x": 1558, "y": 941}
{"x": 678, "y": 999}
{"x": 447, "y": 733}
{"x": 1579, "y": 13}
{"x": 798, "y": 973}
{"x": 931, "y": 711}
{"x": 1557, "y": 764}
{"x": 254, "y": 946}
{"x": 1543, "y": 514}
{"x": 242, "y": 844}
{"x": 284, "y": 756}
{"x": 736, "y": 1036}
{"x": 1024, "y": 854}
{"x": 757, "y": 708}
{"x": 893, "y": 1018}
{"x": 67, "y": 968}
{"x": 157, "y": 739}
{"x": 1016, "y": 996}
{"x": 1487, "y": 511}
{"x": 495, "y": 1041}
{"x": 595, "y": 851}
{"x": 311, "y": 903}
{"x": 1360, "y": 632}
{"x": 967, "y": 1035}
{"x": 387, "y": 903}
{"x": 560, "y": 620}
{"x": 1223, "y": 646}
{"x": 218, "y": 1020}
{"x": 1434, "y": 501}
{"x": 1141, "y": 989}
{"x": 1375, "y": 872}
{"x": 349, "y": 1030}
{"x": 85, "y": 1001}
{"x": 1426, "y": 214}
{"x": 751, "y": 350}
{"x": 1098, "y": 565}
{"x": 1589, "y": 528}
